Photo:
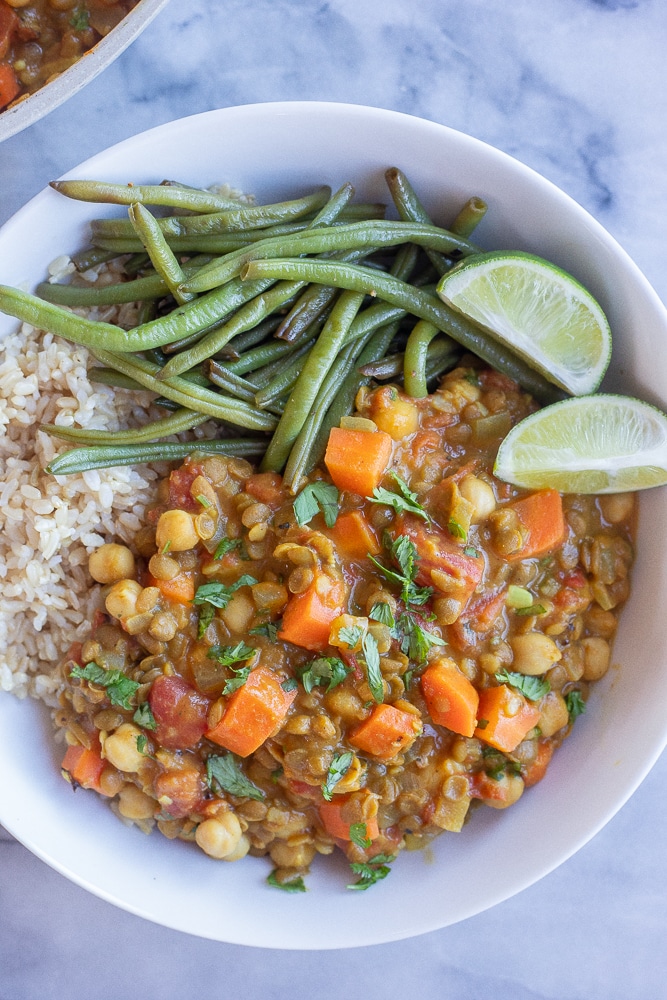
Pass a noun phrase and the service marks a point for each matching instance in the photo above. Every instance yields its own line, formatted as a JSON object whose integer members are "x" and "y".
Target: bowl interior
{"x": 277, "y": 150}
{"x": 67, "y": 84}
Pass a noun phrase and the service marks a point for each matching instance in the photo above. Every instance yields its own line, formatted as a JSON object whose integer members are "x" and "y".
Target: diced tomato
{"x": 437, "y": 551}
{"x": 180, "y": 713}
{"x": 265, "y": 487}
{"x": 179, "y": 792}
{"x": 491, "y": 379}
{"x": 180, "y": 481}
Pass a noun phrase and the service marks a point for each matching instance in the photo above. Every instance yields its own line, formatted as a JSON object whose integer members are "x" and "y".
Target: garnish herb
{"x": 415, "y": 640}
{"x": 456, "y": 529}
{"x": 373, "y": 673}
{"x": 381, "y": 612}
{"x": 316, "y": 497}
{"x": 533, "y": 688}
{"x": 227, "y": 656}
{"x": 204, "y": 501}
{"x": 80, "y": 19}
{"x": 576, "y": 705}
{"x": 144, "y": 717}
{"x": 290, "y": 885}
{"x": 269, "y": 630}
{"x": 289, "y": 684}
{"x": 404, "y": 553}
{"x": 350, "y": 635}
{"x": 226, "y": 545}
{"x": 359, "y": 835}
{"x": 325, "y": 671}
{"x": 533, "y": 609}
{"x": 470, "y": 550}
{"x": 216, "y": 595}
{"x": 372, "y": 871}
{"x": 142, "y": 745}
{"x": 223, "y": 772}
{"x": 119, "y": 687}
{"x": 403, "y": 502}
{"x": 338, "y": 768}
{"x": 166, "y": 547}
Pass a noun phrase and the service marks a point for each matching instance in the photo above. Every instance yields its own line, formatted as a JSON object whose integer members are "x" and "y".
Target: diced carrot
{"x": 541, "y": 517}
{"x": 181, "y": 588}
{"x": 354, "y": 537}
{"x": 357, "y": 460}
{"x": 9, "y": 85}
{"x": 443, "y": 564}
{"x": 537, "y": 768}
{"x": 308, "y": 616}
{"x": 83, "y": 766}
{"x": 504, "y": 717}
{"x": 336, "y": 820}
{"x": 265, "y": 487}
{"x": 386, "y": 732}
{"x": 253, "y": 713}
{"x": 450, "y": 697}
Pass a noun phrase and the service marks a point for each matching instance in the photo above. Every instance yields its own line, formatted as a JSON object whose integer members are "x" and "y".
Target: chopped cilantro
{"x": 351, "y": 635}
{"x": 456, "y": 529}
{"x": 404, "y": 553}
{"x": 227, "y": 656}
{"x": 223, "y": 772}
{"x": 80, "y": 19}
{"x": 269, "y": 630}
{"x": 373, "y": 673}
{"x": 338, "y": 768}
{"x": 381, "y": 612}
{"x": 216, "y": 595}
{"x": 206, "y": 616}
{"x": 226, "y": 545}
{"x": 415, "y": 640}
{"x": 316, "y": 497}
{"x": 470, "y": 550}
{"x": 142, "y": 745}
{"x": 290, "y": 684}
{"x": 576, "y": 705}
{"x": 533, "y": 609}
{"x": 403, "y": 502}
{"x": 533, "y": 688}
{"x": 372, "y": 871}
{"x": 289, "y": 885}
{"x": 326, "y": 671}
{"x": 359, "y": 835}
{"x": 119, "y": 687}
{"x": 144, "y": 717}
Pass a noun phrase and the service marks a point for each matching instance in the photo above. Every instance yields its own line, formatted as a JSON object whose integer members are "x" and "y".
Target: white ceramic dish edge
{"x": 613, "y": 746}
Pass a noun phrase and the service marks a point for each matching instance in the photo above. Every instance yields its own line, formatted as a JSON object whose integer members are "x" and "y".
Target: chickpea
{"x": 121, "y": 750}
{"x": 220, "y": 837}
{"x": 394, "y": 414}
{"x": 121, "y": 601}
{"x": 534, "y": 653}
{"x": 597, "y": 654}
{"x": 135, "y": 804}
{"x": 478, "y": 492}
{"x": 286, "y": 855}
{"x": 110, "y": 563}
{"x": 617, "y": 507}
{"x": 24, "y": 3}
{"x": 176, "y": 531}
{"x": 554, "y": 714}
{"x": 513, "y": 787}
{"x": 242, "y": 849}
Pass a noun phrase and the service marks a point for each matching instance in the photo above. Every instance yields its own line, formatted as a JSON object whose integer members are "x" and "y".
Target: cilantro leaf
{"x": 219, "y": 594}
{"x": 404, "y": 553}
{"x": 206, "y": 616}
{"x": 403, "y": 502}
{"x": 119, "y": 687}
{"x": 269, "y": 630}
{"x": 80, "y": 19}
{"x": 227, "y": 655}
{"x": 338, "y": 768}
{"x": 350, "y": 635}
{"x": 144, "y": 717}
{"x": 289, "y": 684}
{"x": 415, "y": 640}
{"x": 325, "y": 670}
{"x": 381, "y": 612}
{"x": 359, "y": 835}
{"x": 226, "y": 545}
{"x": 142, "y": 745}
{"x": 456, "y": 529}
{"x": 533, "y": 609}
{"x": 533, "y": 688}
{"x": 373, "y": 672}
{"x": 223, "y": 772}
{"x": 372, "y": 871}
{"x": 470, "y": 550}
{"x": 290, "y": 885}
{"x": 316, "y": 497}
{"x": 576, "y": 705}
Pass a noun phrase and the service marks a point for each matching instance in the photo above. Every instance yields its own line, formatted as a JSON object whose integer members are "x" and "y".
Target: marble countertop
{"x": 576, "y": 89}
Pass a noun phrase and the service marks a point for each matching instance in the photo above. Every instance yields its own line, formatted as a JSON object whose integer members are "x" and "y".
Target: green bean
{"x": 220, "y": 375}
{"x": 284, "y": 380}
{"x": 150, "y": 287}
{"x": 253, "y": 312}
{"x": 469, "y": 217}
{"x": 188, "y": 394}
{"x": 416, "y": 353}
{"x": 440, "y": 364}
{"x": 235, "y": 348}
{"x": 309, "y": 306}
{"x": 317, "y": 365}
{"x": 161, "y": 255}
{"x": 176, "y": 423}
{"x": 410, "y": 209}
{"x": 422, "y": 304}
{"x": 262, "y": 355}
{"x": 114, "y": 379}
{"x": 192, "y": 199}
{"x": 356, "y": 236}
{"x": 83, "y": 260}
{"x": 82, "y": 459}
{"x": 136, "y": 262}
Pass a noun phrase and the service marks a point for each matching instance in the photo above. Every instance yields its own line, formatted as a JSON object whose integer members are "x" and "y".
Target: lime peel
{"x": 538, "y": 310}
{"x": 592, "y": 444}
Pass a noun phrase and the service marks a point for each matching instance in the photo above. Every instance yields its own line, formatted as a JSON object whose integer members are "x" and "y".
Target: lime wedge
{"x": 594, "y": 444}
{"x": 538, "y": 310}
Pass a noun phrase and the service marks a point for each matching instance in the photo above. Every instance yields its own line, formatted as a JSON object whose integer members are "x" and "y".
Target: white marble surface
{"x": 576, "y": 89}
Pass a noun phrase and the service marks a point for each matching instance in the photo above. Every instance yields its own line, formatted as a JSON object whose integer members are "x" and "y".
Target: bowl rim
{"x": 419, "y": 924}
{"x": 80, "y": 73}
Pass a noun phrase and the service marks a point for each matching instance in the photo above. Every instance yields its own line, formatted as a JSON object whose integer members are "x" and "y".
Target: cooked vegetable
{"x": 357, "y": 460}
{"x": 451, "y": 699}
{"x": 252, "y": 713}
{"x": 504, "y": 717}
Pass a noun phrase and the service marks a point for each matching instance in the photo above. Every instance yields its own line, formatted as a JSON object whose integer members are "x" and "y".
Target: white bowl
{"x": 92, "y": 63}
{"x": 277, "y": 150}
